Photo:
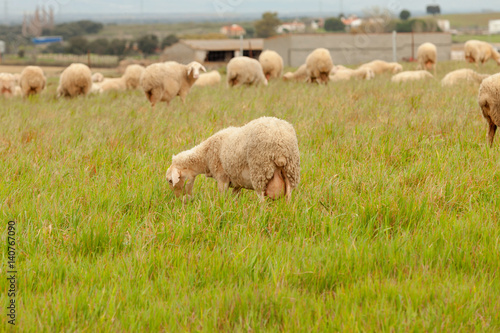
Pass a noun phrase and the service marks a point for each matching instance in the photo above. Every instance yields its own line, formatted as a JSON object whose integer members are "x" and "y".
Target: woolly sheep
{"x": 245, "y": 70}
{"x": 262, "y": 155}
{"x": 75, "y": 80}
{"x": 299, "y": 75}
{"x": 113, "y": 84}
{"x": 337, "y": 68}
{"x": 132, "y": 76}
{"x": 212, "y": 78}
{"x": 347, "y": 74}
{"x": 7, "y": 84}
{"x": 95, "y": 89}
{"x": 411, "y": 76}
{"x": 164, "y": 81}
{"x": 379, "y": 67}
{"x": 272, "y": 64}
{"x": 480, "y": 52}
{"x": 465, "y": 74}
{"x": 489, "y": 101}
{"x": 318, "y": 66}
{"x": 97, "y": 77}
{"x": 32, "y": 81}
{"x": 427, "y": 56}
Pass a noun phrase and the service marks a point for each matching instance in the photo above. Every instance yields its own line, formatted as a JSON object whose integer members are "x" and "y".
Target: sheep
{"x": 489, "y": 101}
{"x": 337, "y": 68}
{"x": 132, "y": 76}
{"x": 75, "y": 80}
{"x": 272, "y": 64}
{"x": 299, "y": 75}
{"x": 411, "y": 76}
{"x": 97, "y": 77}
{"x": 318, "y": 66}
{"x": 110, "y": 84}
{"x": 32, "y": 81}
{"x": 347, "y": 74}
{"x": 7, "y": 84}
{"x": 262, "y": 155}
{"x": 245, "y": 70}
{"x": 465, "y": 74}
{"x": 480, "y": 52}
{"x": 95, "y": 89}
{"x": 212, "y": 78}
{"x": 380, "y": 67}
{"x": 164, "y": 81}
{"x": 427, "y": 56}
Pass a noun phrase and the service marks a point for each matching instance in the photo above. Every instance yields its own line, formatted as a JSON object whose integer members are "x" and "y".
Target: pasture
{"x": 394, "y": 226}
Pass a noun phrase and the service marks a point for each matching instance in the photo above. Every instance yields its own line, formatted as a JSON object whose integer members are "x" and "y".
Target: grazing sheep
{"x": 347, "y": 74}
{"x": 75, "y": 80}
{"x": 480, "y": 52}
{"x": 245, "y": 70}
{"x": 272, "y": 64}
{"x": 113, "y": 84}
{"x": 32, "y": 81}
{"x": 461, "y": 75}
{"x": 7, "y": 84}
{"x": 262, "y": 155}
{"x": 299, "y": 75}
{"x": 318, "y": 66}
{"x": 337, "y": 68}
{"x": 427, "y": 56}
{"x": 95, "y": 89}
{"x": 411, "y": 76}
{"x": 132, "y": 76}
{"x": 489, "y": 101}
{"x": 164, "y": 81}
{"x": 97, "y": 77}
{"x": 380, "y": 67}
{"x": 212, "y": 78}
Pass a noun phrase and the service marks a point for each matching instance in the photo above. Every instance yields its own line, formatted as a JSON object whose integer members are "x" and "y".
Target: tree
{"x": 147, "y": 44}
{"x": 117, "y": 47}
{"x": 266, "y": 27}
{"x": 169, "y": 40}
{"x": 433, "y": 9}
{"x": 77, "y": 45}
{"x": 404, "y": 15}
{"x": 99, "y": 46}
{"x": 334, "y": 24}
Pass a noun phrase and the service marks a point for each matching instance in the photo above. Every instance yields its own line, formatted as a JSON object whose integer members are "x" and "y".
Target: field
{"x": 394, "y": 226}
{"x": 472, "y": 20}
{"x": 486, "y": 38}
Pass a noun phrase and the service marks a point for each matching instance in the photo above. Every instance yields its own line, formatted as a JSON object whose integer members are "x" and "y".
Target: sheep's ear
{"x": 190, "y": 69}
{"x": 203, "y": 68}
{"x": 176, "y": 176}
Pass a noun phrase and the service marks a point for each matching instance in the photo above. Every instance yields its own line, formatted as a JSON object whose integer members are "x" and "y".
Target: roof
{"x": 233, "y": 27}
{"x": 223, "y": 44}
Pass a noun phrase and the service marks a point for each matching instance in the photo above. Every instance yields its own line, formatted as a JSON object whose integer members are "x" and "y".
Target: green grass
{"x": 394, "y": 226}
{"x": 486, "y": 38}
{"x": 472, "y": 20}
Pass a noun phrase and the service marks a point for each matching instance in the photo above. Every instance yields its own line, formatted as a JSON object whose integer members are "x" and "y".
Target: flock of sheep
{"x": 262, "y": 155}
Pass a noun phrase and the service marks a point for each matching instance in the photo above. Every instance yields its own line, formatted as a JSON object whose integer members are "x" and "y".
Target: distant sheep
{"x": 75, "y": 80}
{"x": 32, "y": 81}
{"x": 113, "y": 84}
{"x": 347, "y": 74}
{"x": 337, "y": 68}
{"x": 245, "y": 71}
{"x": 318, "y": 66}
{"x": 7, "y": 84}
{"x": 299, "y": 75}
{"x": 164, "y": 81}
{"x": 132, "y": 76}
{"x": 463, "y": 75}
{"x": 97, "y": 77}
{"x": 489, "y": 101}
{"x": 411, "y": 76}
{"x": 212, "y": 78}
{"x": 262, "y": 155}
{"x": 480, "y": 52}
{"x": 427, "y": 56}
{"x": 272, "y": 64}
{"x": 379, "y": 67}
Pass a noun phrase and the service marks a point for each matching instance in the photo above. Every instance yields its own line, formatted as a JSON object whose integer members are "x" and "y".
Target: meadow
{"x": 394, "y": 226}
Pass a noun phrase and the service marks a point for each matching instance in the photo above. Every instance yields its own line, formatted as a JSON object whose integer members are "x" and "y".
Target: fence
{"x": 49, "y": 59}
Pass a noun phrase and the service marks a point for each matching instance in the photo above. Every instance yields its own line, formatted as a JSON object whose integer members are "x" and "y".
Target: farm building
{"x": 494, "y": 27}
{"x": 212, "y": 50}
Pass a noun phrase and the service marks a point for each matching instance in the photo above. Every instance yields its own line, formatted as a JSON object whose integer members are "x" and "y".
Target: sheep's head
{"x": 397, "y": 68}
{"x": 180, "y": 180}
{"x": 194, "y": 69}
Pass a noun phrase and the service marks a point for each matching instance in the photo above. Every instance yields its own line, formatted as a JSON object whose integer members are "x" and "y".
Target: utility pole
{"x": 6, "y": 11}
{"x": 341, "y": 7}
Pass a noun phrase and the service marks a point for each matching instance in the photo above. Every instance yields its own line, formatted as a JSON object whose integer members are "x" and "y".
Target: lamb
{"x": 480, "y": 52}
{"x": 411, "y": 76}
{"x": 262, "y": 155}
{"x": 97, "y": 77}
{"x": 212, "y": 78}
{"x": 380, "y": 67}
{"x": 132, "y": 76}
{"x": 164, "y": 81}
{"x": 489, "y": 101}
{"x": 318, "y": 66}
{"x": 465, "y": 74}
{"x": 347, "y": 74}
{"x": 299, "y": 75}
{"x": 272, "y": 64}
{"x": 427, "y": 56}
{"x": 7, "y": 84}
{"x": 245, "y": 70}
{"x": 32, "y": 81}
{"x": 75, "y": 80}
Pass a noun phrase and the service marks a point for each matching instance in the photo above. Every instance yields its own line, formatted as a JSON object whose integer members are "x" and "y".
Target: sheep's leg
{"x": 222, "y": 186}
{"x": 288, "y": 188}
{"x": 236, "y": 190}
{"x": 491, "y": 132}
{"x": 261, "y": 195}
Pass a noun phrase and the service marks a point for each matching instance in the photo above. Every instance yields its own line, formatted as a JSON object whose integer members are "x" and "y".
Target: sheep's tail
{"x": 280, "y": 161}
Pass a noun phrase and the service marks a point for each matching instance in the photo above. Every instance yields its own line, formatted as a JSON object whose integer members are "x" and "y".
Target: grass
{"x": 394, "y": 226}
{"x": 469, "y": 20}
{"x": 486, "y": 38}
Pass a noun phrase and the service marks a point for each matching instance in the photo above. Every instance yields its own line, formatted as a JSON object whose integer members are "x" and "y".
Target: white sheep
{"x": 337, "y": 68}
{"x": 245, "y": 70}
{"x": 318, "y": 66}
{"x": 427, "y": 56}
{"x": 164, "y": 81}
{"x": 132, "y": 76}
{"x": 272, "y": 64}
{"x": 299, "y": 75}
{"x": 75, "y": 80}
{"x": 411, "y": 76}
{"x": 113, "y": 84}
{"x": 462, "y": 75}
{"x": 211, "y": 78}
{"x": 262, "y": 155}
{"x": 489, "y": 101}
{"x": 97, "y": 77}
{"x": 32, "y": 81}
{"x": 7, "y": 84}
{"x": 479, "y": 52}
{"x": 380, "y": 67}
{"x": 347, "y": 74}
